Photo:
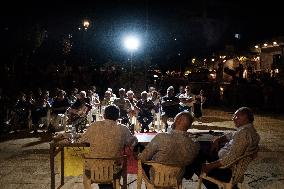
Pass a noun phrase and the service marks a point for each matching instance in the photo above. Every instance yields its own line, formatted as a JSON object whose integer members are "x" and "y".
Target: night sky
{"x": 165, "y": 28}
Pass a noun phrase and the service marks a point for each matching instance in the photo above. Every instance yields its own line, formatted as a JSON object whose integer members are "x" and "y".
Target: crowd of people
{"x": 109, "y": 120}
{"x": 30, "y": 110}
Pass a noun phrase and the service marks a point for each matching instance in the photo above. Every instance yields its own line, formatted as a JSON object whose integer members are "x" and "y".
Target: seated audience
{"x": 19, "y": 114}
{"x": 79, "y": 111}
{"x": 124, "y": 106}
{"x": 186, "y": 100}
{"x": 59, "y": 106}
{"x": 170, "y": 106}
{"x": 144, "y": 107}
{"x": 40, "y": 109}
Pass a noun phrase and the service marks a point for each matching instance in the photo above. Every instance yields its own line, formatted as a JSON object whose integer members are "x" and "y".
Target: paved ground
{"x": 24, "y": 157}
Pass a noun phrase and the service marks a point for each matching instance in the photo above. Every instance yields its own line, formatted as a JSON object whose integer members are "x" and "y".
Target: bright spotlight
{"x": 131, "y": 43}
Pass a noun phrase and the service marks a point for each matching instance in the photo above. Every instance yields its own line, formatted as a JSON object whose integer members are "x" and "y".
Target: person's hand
{"x": 205, "y": 168}
{"x": 214, "y": 146}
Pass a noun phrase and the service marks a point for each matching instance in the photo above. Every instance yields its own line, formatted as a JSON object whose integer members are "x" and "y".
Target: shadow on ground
{"x": 44, "y": 137}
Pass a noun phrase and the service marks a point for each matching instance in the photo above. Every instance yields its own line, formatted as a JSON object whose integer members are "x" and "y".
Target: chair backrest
{"x": 104, "y": 169}
{"x": 238, "y": 168}
{"x": 162, "y": 175}
{"x": 165, "y": 175}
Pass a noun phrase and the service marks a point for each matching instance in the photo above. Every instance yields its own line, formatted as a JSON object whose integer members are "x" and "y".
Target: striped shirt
{"x": 244, "y": 141}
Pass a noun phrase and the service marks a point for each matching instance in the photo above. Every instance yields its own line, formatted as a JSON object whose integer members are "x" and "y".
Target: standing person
{"x": 244, "y": 141}
{"x": 197, "y": 106}
{"x": 107, "y": 138}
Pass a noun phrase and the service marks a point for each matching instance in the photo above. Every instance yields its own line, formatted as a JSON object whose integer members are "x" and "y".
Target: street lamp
{"x": 131, "y": 43}
{"x": 86, "y": 24}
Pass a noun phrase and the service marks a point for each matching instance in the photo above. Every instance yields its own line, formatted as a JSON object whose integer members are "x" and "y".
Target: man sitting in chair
{"x": 175, "y": 147}
{"x": 244, "y": 141}
{"x": 79, "y": 110}
{"x": 124, "y": 106}
{"x": 107, "y": 138}
{"x": 145, "y": 116}
{"x": 170, "y": 106}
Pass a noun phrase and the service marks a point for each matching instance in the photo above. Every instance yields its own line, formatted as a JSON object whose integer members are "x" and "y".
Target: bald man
{"x": 175, "y": 147}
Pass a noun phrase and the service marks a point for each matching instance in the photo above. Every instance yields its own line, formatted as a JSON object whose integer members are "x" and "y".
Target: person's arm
{"x": 217, "y": 143}
{"x": 240, "y": 142}
{"x": 150, "y": 150}
{"x": 175, "y": 101}
{"x": 86, "y": 136}
{"x": 207, "y": 167}
{"x": 130, "y": 139}
{"x": 152, "y": 105}
{"x": 165, "y": 102}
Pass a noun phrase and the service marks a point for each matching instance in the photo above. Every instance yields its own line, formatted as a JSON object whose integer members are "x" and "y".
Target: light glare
{"x": 131, "y": 43}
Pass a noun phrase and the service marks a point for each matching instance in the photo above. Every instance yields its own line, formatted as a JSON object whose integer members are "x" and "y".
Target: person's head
{"x": 181, "y": 89}
{"x": 151, "y": 89}
{"x": 243, "y": 116}
{"x": 121, "y": 92}
{"x": 107, "y": 95}
{"x": 187, "y": 88}
{"x": 144, "y": 95}
{"x": 61, "y": 94}
{"x": 170, "y": 91}
{"x": 22, "y": 96}
{"x": 75, "y": 91}
{"x": 112, "y": 112}
{"x": 93, "y": 88}
{"x": 110, "y": 89}
{"x": 130, "y": 94}
{"x": 82, "y": 95}
{"x": 155, "y": 94}
{"x": 183, "y": 121}
{"x": 89, "y": 93}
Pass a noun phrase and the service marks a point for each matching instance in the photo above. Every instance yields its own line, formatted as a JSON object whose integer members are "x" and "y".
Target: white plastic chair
{"x": 103, "y": 170}
{"x": 233, "y": 166}
{"x": 162, "y": 175}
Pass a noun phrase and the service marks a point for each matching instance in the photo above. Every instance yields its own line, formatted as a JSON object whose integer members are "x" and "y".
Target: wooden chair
{"x": 162, "y": 175}
{"x": 103, "y": 170}
{"x": 233, "y": 166}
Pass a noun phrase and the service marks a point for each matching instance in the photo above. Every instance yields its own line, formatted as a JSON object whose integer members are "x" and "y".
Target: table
{"x": 145, "y": 138}
{"x": 199, "y": 135}
{"x": 205, "y": 139}
{"x": 57, "y": 145}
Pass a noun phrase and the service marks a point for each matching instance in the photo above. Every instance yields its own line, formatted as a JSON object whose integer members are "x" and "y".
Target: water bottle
{"x": 73, "y": 134}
